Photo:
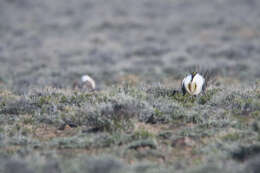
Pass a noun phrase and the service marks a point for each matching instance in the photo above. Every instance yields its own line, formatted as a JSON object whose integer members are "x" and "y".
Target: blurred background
{"x": 54, "y": 42}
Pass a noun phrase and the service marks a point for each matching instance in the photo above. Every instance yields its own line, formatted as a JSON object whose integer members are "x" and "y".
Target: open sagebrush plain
{"x": 138, "y": 51}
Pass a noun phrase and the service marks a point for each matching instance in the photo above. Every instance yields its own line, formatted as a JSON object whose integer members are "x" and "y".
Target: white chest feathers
{"x": 88, "y": 81}
{"x": 193, "y": 84}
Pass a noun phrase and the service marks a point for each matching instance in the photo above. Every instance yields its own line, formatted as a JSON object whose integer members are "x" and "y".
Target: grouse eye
{"x": 194, "y": 73}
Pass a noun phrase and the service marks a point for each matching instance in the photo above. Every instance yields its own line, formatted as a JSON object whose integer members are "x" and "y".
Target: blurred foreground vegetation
{"x": 130, "y": 128}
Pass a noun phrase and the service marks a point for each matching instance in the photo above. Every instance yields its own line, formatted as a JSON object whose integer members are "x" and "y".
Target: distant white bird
{"x": 88, "y": 82}
{"x": 194, "y": 84}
